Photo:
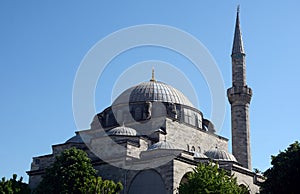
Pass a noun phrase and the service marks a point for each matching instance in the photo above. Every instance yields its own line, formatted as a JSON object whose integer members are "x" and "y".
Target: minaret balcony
{"x": 239, "y": 94}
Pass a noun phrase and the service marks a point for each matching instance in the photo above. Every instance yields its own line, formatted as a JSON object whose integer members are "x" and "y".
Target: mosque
{"x": 152, "y": 136}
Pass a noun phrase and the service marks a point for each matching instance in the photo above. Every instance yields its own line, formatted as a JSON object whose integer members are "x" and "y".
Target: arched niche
{"x": 184, "y": 179}
{"x": 147, "y": 182}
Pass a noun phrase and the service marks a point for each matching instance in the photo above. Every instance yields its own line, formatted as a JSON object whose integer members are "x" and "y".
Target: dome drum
{"x": 143, "y": 111}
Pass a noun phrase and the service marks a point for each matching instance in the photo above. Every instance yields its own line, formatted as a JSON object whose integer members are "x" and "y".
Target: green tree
{"x": 72, "y": 172}
{"x": 284, "y": 175}
{"x": 210, "y": 179}
{"x": 13, "y": 186}
{"x": 97, "y": 185}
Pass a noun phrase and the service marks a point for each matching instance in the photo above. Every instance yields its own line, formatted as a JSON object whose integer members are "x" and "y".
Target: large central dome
{"x": 153, "y": 91}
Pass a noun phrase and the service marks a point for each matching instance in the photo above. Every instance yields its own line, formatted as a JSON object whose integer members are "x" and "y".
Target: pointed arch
{"x": 147, "y": 182}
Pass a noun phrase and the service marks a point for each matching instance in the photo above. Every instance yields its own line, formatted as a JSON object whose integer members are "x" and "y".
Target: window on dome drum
{"x": 196, "y": 120}
{"x": 158, "y": 110}
{"x": 199, "y": 121}
{"x": 187, "y": 115}
{"x": 138, "y": 114}
{"x": 192, "y": 118}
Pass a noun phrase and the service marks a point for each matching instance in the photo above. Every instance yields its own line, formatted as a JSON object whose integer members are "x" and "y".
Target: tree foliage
{"x": 210, "y": 179}
{"x": 284, "y": 175}
{"x": 13, "y": 186}
{"x": 72, "y": 172}
{"x": 97, "y": 185}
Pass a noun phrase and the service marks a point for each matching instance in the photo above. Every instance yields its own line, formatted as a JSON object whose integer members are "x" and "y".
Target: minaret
{"x": 239, "y": 96}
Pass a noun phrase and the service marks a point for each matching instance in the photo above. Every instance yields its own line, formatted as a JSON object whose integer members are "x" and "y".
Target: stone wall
{"x": 184, "y": 137}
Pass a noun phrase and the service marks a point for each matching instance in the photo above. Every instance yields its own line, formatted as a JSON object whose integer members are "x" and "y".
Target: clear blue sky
{"x": 43, "y": 42}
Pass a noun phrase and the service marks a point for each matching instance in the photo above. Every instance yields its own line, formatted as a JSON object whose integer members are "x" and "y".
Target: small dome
{"x": 122, "y": 130}
{"x": 220, "y": 155}
{"x": 161, "y": 145}
{"x": 199, "y": 155}
{"x": 153, "y": 91}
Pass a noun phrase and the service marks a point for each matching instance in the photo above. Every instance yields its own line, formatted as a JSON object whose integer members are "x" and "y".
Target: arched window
{"x": 193, "y": 149}
{"x": 199, "y": 149}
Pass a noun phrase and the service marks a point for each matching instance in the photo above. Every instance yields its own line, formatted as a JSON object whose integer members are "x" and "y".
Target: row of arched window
{"x": 189, "y": 116}
{"x": 193, "y": 148}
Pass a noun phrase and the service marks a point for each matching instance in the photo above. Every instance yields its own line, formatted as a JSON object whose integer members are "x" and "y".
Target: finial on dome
{"x": 152, "y": 78}
{"x": 238, "y": 9}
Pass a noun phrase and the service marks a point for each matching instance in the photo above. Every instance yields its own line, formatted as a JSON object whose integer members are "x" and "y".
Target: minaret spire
{"x": 239, "y": 96}
{"x": 238, "y": 46}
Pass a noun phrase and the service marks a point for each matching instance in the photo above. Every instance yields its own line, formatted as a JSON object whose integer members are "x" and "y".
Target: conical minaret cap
{"x": 238, "y": 46}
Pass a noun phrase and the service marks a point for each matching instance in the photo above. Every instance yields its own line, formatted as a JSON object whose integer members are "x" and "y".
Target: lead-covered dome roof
{"x": 161, "y": 145}
{"x": 221, "y": 155}
{"x": 122, "y": 130}
{"x": 153, "y": 91}
{"x": 199, "y": 155}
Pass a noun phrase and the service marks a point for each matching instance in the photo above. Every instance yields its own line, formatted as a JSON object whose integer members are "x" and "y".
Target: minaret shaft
{"x": 239, "y": 96}
{"x": 238, "y": 70}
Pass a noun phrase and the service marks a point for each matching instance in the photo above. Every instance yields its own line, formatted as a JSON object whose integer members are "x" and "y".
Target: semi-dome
{"x": 221, "y": 155}
{"x": 161, "y": 145}
{"x": 153, "y": 91}
{"x": 122, "y": 130}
